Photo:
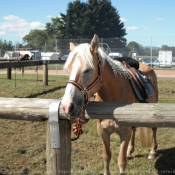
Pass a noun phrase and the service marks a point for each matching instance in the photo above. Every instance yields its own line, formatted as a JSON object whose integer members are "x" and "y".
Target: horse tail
{"x": 145, "y": 133}
{"x": 145, "y": 136}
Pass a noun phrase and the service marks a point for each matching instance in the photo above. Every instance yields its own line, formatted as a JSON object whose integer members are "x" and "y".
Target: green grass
{"x": 31, "y": 86}
{"x": 22, "y": 148}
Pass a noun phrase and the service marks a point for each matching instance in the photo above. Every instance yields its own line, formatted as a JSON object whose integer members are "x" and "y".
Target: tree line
{"x": 80, "y": 23}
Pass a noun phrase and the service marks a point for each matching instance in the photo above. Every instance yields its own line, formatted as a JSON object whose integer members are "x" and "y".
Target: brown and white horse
{"x": 91, "y": 72}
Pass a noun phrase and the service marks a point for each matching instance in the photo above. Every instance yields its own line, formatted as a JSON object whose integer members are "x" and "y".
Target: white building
{"x": 49, "y": 55}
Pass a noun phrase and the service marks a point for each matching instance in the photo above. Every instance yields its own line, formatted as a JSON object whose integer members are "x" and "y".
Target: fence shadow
{"x": 165, "y": 164}
{"x": 45, "y": 92}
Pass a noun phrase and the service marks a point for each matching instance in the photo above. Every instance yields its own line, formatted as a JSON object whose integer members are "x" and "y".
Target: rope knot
{"x": 77, "y": 130}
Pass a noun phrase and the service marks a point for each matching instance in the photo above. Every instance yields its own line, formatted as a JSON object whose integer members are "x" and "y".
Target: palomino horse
{"x": 91, "y": 72}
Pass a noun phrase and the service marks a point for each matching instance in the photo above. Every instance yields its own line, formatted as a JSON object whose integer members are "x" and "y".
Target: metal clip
{"x": 54, "y": 124}
{"x": 84, "y": 91}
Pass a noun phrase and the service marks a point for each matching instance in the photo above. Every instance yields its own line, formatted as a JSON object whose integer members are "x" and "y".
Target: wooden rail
{"x": 15, "y": 64}
{"x": 59, "y": 159}
{"x": 134, "y": 114}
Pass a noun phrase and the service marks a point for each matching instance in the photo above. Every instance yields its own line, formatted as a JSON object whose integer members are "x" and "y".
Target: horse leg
{"x": 131, "y": 143}
{"x": 154, "y": 145}
{"x": 105, "y": 137}
{"x": 125, "y": 136}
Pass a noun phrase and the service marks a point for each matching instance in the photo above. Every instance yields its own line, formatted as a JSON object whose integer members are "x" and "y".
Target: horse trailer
{"x": 165, "y": 58}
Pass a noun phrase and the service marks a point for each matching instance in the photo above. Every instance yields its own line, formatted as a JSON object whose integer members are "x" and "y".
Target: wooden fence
{"x": 19, "y": 64}
{"x": 59, "y": 157}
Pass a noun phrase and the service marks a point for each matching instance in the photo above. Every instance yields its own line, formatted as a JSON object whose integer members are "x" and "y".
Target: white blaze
{"x": 69, "y": 92}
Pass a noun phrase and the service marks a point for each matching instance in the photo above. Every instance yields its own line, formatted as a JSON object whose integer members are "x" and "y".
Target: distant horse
{"x": 91, "y": 72}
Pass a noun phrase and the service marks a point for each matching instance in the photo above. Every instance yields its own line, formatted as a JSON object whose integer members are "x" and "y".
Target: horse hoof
{"x": 107, "y": 173}
{"x": 152, "y": 156}
{"x": 129, "y": 156}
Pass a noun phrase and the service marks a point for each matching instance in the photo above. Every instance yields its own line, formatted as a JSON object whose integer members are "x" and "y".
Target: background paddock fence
{"x": 20, "y": 64}
{"x": 59, "y": 157}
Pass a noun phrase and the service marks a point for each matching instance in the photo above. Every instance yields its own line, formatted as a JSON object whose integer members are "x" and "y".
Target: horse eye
{"x": 87, "y": 71}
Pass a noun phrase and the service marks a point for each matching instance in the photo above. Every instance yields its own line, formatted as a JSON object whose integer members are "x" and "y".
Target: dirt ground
{"x": 159, "y": 73}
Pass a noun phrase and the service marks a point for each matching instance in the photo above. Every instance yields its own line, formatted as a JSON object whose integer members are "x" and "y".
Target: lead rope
{"x": 77, "y": 129}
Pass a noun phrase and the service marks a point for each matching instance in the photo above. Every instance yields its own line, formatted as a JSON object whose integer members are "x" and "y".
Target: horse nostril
{"x": 63, "y": 107}
{"x": 71, "y": 107}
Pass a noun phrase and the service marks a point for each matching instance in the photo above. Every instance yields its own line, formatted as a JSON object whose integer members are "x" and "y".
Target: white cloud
{"x": 158, "y": 19}
{"x": 20, "y": 27}
{"x": 49, "y": 16}
{"x": 37, "y": 25}
{"x": 123, "y": 20}
{"x": 132, "y": 28}
{"x": 2, "y": 32}
{"x": 13, "y": 18}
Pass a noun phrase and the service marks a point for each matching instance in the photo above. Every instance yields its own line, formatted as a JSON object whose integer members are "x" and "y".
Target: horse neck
{"x": 115, "y": 88}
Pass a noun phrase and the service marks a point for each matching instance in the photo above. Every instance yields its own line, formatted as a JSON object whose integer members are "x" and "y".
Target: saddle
{"x": 141, "y": 83}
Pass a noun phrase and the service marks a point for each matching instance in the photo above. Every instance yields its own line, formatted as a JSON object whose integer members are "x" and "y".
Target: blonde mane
{"x": 83, "y": 50}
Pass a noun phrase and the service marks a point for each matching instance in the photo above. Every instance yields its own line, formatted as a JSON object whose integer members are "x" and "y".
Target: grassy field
{"x": 22, "y": 148}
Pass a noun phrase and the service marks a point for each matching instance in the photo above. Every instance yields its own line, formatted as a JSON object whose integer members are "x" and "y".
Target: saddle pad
{"x": 149, "y": 88}
{"x": 140, "y": 83}
{"x": 136, "y": 90}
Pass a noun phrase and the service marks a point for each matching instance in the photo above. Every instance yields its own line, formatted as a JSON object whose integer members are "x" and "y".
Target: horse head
{"x": 83, "y": 66}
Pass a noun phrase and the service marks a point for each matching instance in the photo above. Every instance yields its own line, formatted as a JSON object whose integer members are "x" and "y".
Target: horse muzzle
{"x": 71, "y": 110}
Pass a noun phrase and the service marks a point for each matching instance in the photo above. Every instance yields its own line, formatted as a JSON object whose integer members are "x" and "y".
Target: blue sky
{"x": 147, "y": 22}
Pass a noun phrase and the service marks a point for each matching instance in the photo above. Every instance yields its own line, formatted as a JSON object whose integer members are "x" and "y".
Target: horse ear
{"x": 72, "y": 46}
{"x": 95, "y": 43}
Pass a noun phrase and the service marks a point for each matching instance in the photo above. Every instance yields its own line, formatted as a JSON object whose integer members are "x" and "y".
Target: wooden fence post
{"x": 9, "y": 73}
{"x": 59, "y": 160}
{"x": 45, "y": 73}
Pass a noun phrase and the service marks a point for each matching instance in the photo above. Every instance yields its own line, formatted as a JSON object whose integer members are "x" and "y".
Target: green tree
{"x": 155, "y": 52}
{"x": 173, "y": 50}
{"x": 134, "y": 47}
{"x": 102, "y": 18}
{"x": 83, "y": 20}
{"x": 165, "y": 47}
{"x": 75, "y": 19}
{"x": 36, "y": 39}
{"x": 4, "y": 46}
{"x": 69, "y": 25}
{"x": 57, "y": 29}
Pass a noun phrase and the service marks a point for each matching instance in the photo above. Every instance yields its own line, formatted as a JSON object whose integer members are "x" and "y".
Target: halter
{"x": 77, "y": 129}
{"x": 85, "y": 90}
